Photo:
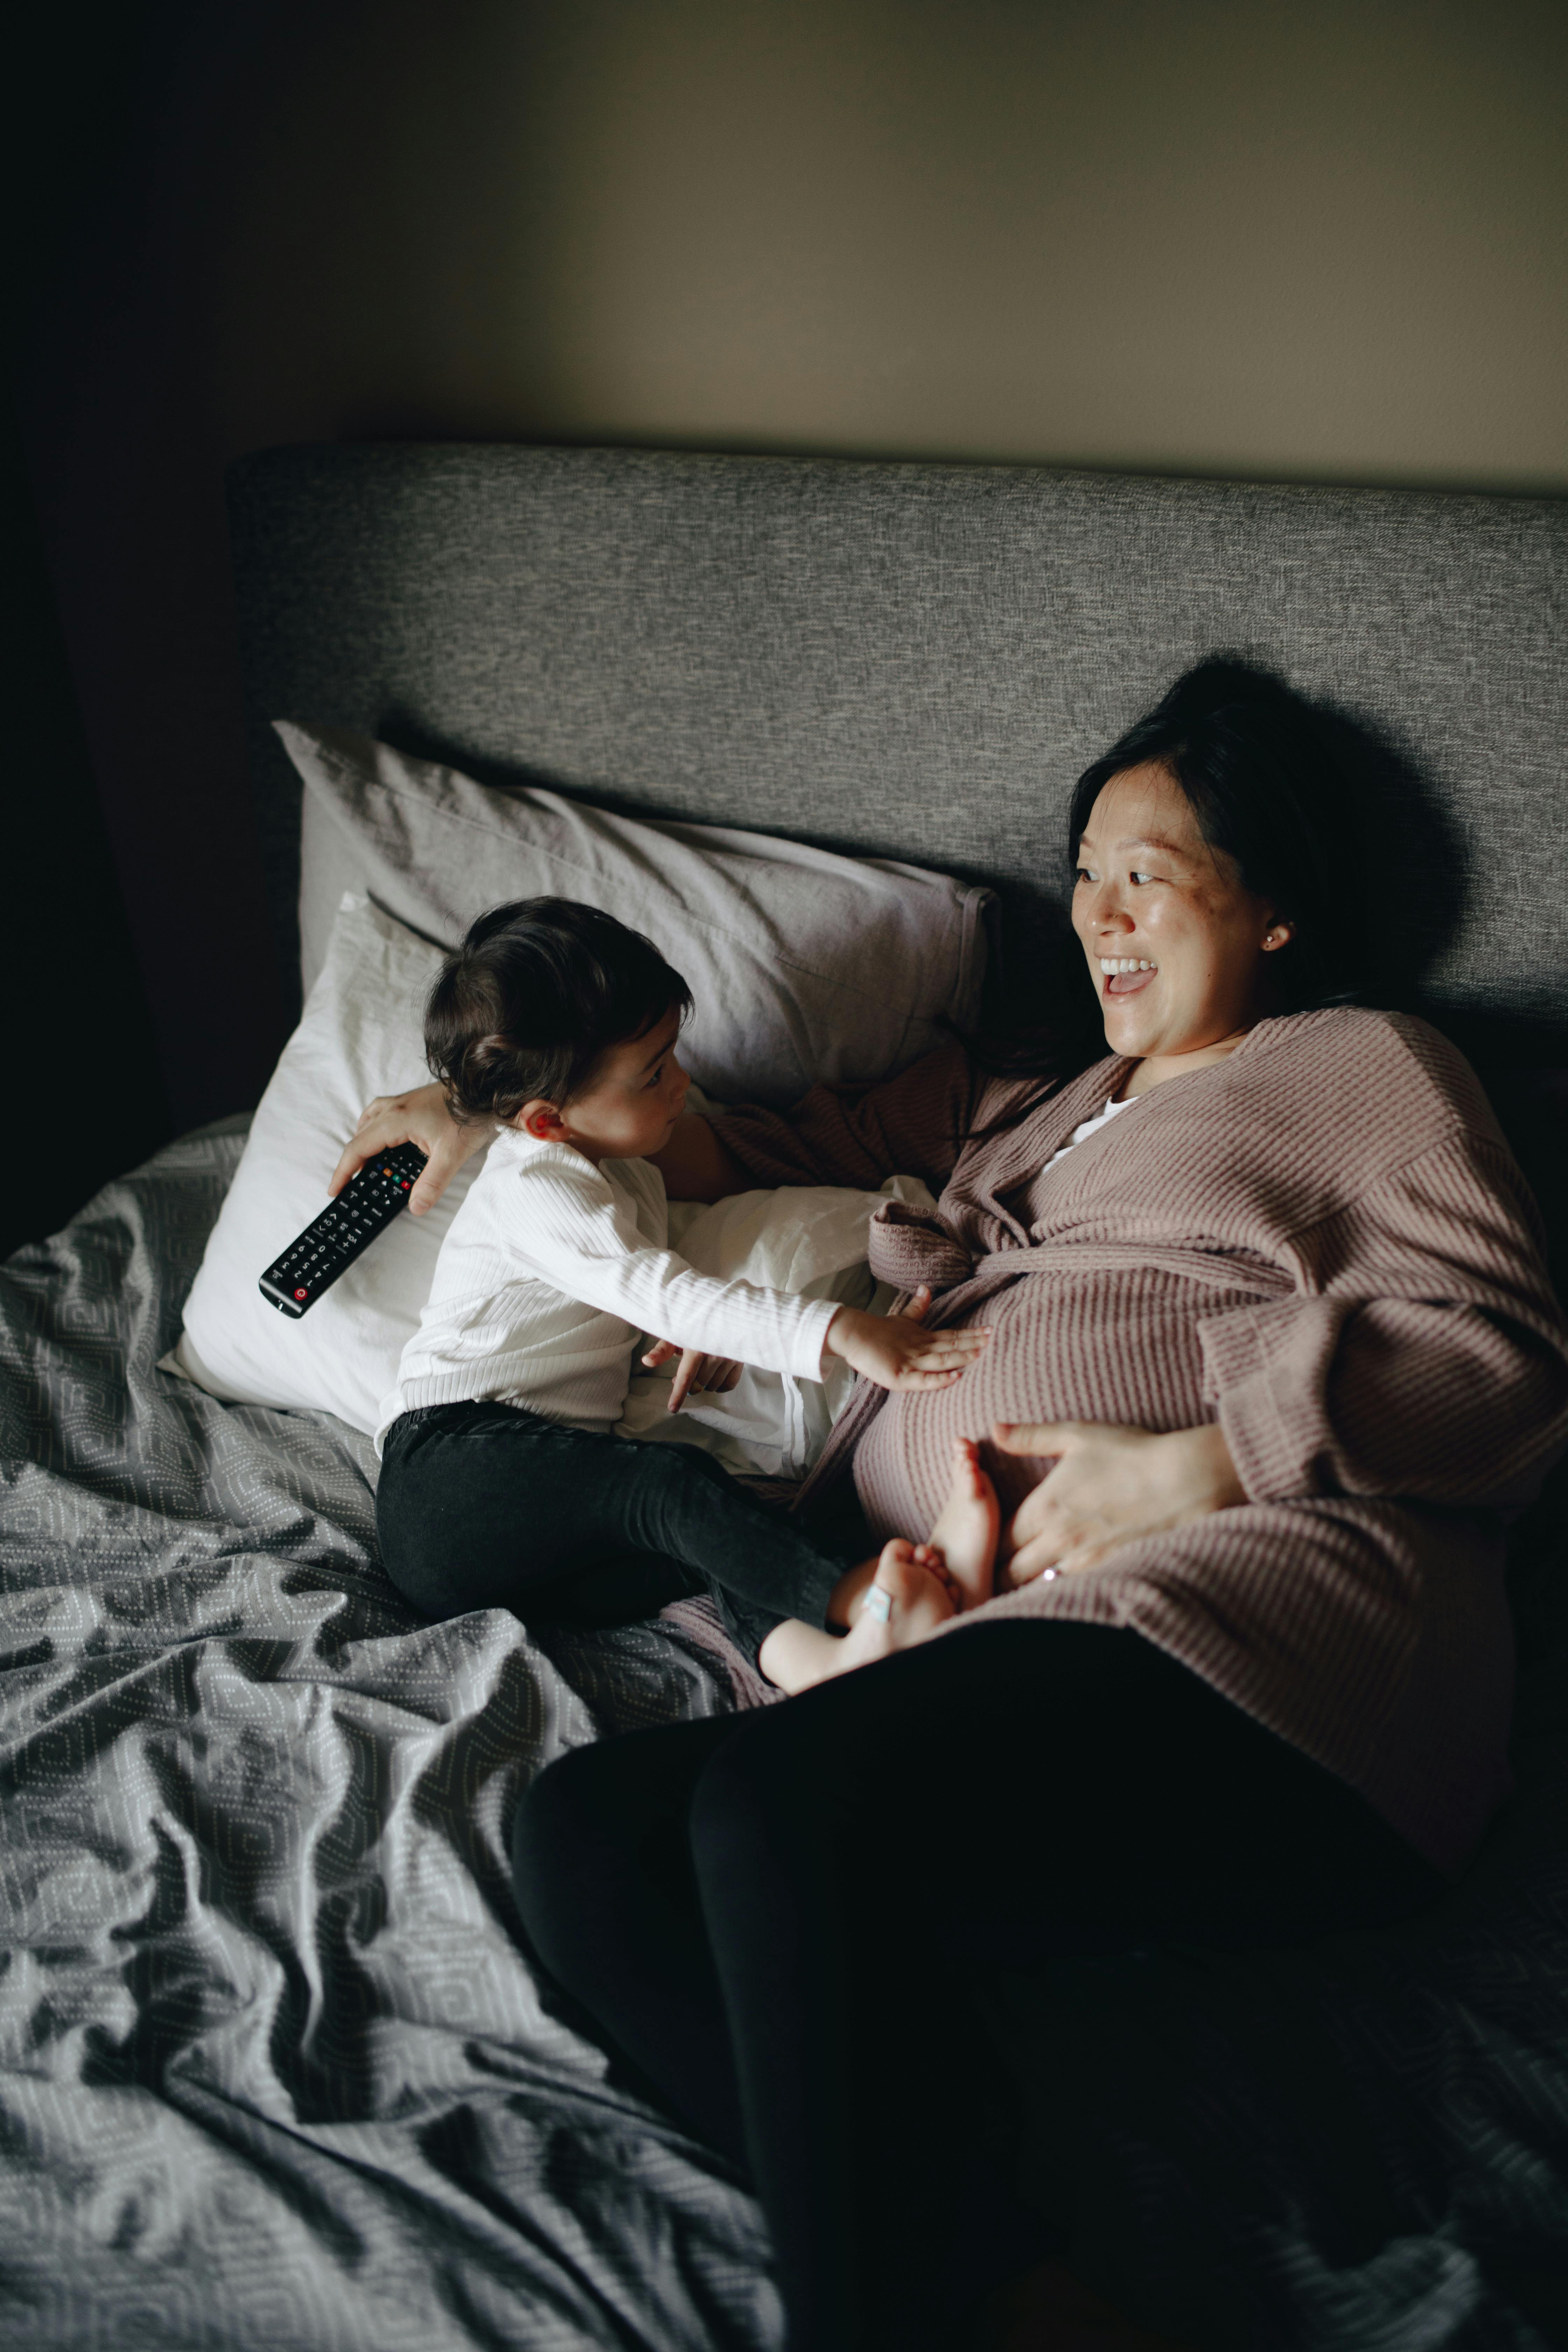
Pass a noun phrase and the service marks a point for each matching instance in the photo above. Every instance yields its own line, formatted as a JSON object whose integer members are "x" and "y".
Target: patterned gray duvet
{"x": 277, "y": 2074}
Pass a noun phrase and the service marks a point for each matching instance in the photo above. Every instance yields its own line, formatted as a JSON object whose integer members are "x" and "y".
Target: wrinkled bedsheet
{"x": 274, "y": 2072}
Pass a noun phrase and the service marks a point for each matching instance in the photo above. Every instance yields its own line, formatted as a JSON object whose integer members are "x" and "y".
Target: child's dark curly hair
{"x": 525, "y": 1009}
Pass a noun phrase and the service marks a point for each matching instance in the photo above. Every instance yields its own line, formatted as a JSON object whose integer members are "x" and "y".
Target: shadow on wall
{"x": 1400, "y": 832}
{"x": 1225, "y": 239}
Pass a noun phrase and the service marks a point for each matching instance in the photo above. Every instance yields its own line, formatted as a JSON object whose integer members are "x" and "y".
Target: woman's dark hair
{"x": 527, "y": 1007}
{"x": 1270, "y": 778}
{"x": 1263, "y": 774}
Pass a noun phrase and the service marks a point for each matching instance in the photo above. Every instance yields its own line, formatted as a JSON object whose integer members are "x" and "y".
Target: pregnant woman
{"x": 1274, "y": 1355}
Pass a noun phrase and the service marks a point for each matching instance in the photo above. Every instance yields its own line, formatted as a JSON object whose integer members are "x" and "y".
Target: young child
{"x": 501, "y": 1478}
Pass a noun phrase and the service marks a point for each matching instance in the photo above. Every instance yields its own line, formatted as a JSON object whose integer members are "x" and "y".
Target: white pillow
{"x": 361, "y": 1034}
{"x": 804, "y": 965}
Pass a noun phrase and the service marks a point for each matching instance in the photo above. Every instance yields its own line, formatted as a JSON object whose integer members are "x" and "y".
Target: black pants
{"x": 778, "y": 1920}
{"x": 486, "y": 1507}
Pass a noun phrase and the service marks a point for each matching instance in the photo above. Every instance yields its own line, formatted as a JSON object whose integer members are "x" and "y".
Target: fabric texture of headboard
{"x": 904, "y": 660}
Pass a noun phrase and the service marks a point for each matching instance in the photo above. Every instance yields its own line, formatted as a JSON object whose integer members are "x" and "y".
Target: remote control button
{"x": 298, "y": 1294}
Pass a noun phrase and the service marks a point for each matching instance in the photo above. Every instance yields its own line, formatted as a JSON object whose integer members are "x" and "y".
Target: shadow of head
{"x": 1325, "y": 816}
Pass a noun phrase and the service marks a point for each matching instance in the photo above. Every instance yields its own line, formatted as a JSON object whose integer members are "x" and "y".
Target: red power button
{"x": 301, "y": 1294}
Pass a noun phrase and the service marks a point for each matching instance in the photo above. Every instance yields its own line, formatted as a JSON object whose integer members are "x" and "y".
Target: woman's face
{"x": 1176, "y": 945}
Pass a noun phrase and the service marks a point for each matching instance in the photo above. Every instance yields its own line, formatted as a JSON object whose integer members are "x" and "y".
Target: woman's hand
{"x": 695, "y": 1375}
{"x": 898, "y": 1352}
{"x": 420, "y": 1116}
{"x": 1110, "y": 1486}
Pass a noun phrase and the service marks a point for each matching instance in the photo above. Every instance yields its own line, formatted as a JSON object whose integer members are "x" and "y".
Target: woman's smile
{"x": 1124, "y": 976}
{"x": 1176, "y": 942}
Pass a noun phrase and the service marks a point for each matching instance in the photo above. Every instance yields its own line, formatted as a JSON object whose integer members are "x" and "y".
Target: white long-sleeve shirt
{"x": 551, "y": 1270}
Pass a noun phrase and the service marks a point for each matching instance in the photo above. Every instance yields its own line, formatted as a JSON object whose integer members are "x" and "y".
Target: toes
{"x": 902, "y": 1573}
{"x": 967, "y": 1474}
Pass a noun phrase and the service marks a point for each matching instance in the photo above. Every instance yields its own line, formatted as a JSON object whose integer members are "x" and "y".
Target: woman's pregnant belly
{"x": 1108, "y": 1347}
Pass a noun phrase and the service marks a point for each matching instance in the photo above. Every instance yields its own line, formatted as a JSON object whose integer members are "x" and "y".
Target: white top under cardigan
{"x": 551, "y": 1270}
{"x": 1088, "y": 1127}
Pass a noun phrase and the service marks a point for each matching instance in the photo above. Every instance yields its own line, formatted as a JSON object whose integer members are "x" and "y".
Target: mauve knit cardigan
{"x": 1323, "y": 1242}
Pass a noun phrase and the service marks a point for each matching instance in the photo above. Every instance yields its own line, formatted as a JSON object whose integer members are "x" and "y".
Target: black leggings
{"x": 777, "y": 1919}
{"x": 482, "y": 1505}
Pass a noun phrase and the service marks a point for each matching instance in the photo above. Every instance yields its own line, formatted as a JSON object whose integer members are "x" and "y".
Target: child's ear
{"x": 542, "y": 1121}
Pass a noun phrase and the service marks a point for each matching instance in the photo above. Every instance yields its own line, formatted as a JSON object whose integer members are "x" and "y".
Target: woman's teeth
{"x": 1123, "y": 975}
{"x": 1108, "y": 964}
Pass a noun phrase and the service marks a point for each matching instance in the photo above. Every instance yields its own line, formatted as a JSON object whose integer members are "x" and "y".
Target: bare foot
{"x": 968, "y": 1526}
{"x": 849, "y": 1595}
{"x": 918, "y": 1600}
{"x": 909, "y": 1579}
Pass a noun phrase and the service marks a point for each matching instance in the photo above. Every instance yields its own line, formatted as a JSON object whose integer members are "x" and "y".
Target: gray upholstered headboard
{"x": 909, "y": 660}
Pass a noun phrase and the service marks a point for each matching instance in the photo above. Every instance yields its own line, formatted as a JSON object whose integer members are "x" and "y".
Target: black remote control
{"x": 366, "y": 1207}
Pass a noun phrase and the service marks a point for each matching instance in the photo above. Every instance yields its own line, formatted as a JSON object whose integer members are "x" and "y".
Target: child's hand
{"x": 695, "y": 1373}
{"x": 898, "y": 1352}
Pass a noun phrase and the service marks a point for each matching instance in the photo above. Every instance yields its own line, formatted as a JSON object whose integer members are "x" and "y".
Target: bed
{"x": 276, "y": 2072}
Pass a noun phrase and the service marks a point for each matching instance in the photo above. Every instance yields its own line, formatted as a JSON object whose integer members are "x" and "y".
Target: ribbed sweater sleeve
{"x": 1424, "y": 1358}
{"x": 910, "y": 1124}
{"x": 571, "y": 1229}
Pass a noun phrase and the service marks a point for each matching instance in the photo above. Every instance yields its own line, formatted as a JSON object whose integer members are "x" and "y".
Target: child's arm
{"x": 571, "y": 1228}
{"x": 894, "y": 1350}
{"x": 580, "y": 1236}
{"x": 898, "y": 1352}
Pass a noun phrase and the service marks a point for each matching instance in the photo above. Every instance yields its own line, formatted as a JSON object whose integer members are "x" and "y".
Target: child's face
{"x": 638, "y": 1091}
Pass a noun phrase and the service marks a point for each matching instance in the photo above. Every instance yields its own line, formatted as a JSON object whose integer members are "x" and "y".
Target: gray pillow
{"x": 804, "y": 965}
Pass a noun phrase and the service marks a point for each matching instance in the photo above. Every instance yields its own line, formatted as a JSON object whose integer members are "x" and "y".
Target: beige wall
{"x": 1320, "y": 239}
{"x": 1317, "y": 239}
